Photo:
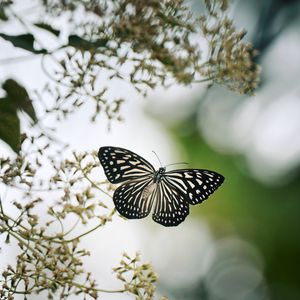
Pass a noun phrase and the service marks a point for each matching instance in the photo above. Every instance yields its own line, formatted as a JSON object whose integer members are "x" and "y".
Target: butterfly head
{"x": 161, "y": 170}
{"x": 158, "y": 174}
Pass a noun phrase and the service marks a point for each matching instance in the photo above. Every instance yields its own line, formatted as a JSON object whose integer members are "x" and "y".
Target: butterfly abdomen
{"x": 148, "y": 190}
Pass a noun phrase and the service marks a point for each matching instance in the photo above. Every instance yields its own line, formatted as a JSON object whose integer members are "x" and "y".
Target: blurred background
{"x": 242, "y": 243}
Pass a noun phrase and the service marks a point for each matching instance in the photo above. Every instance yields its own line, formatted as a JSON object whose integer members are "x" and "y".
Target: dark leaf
{"x": 48, "y": 28}
{"x": 3, "y": 5}
{"x": 17, "y": 95}
{"x": 24, "y": 41}
{"x": 9, "y": 124}
{"x": 3, "y": 16}
{"x": 80, "y": 43}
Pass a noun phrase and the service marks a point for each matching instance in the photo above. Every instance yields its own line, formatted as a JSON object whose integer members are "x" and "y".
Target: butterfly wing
{"x": 194, "y": 184}
{"x": 133, "y": 198}
{"x": 121, "y": 164}
{"x": 171, "y": 207}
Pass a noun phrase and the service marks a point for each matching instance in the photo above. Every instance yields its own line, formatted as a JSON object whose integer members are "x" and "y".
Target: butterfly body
{"x": 158, "y": 175}
{"x": 143, "y": 189}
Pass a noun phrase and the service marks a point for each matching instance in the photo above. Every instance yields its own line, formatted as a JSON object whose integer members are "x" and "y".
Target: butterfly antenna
{"x": 157, "y": 158}
{"x": 179, "y": 163}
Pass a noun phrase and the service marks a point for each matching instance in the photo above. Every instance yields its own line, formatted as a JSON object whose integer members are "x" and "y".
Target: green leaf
{"x": 48, "y": 28}
{"x": 3, "y": 16}
{"x": 3, "y": 5}
{"x": 24, "y": 41}
{"x": 9, "y": 124}
{"x": 80, "y": 43}
{"x": 18, "y": 96}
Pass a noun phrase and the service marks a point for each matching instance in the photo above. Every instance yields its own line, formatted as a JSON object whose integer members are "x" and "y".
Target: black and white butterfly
{"x": 143, "y": 187}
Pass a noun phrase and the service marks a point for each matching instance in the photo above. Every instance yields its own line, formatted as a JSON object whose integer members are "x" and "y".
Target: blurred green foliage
{"x": 266, "y": 216}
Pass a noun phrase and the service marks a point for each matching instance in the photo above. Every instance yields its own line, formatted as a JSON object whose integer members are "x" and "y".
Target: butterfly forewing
{"x": 132, "y": 199}
{"x": 121, "y": 164}
{"x": 195, "y": 185}
{"x": 171, "y": 207}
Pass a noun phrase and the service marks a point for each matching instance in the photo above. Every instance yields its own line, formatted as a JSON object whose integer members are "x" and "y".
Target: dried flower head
{"x": 231, "y": 61}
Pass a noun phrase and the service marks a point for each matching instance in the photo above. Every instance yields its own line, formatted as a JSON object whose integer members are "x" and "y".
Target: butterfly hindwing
{"x": 171, "y": 207}
{"x": 121, "y": 164}
{"x": 196, "y": 185}
{"x": 132, "y": 199}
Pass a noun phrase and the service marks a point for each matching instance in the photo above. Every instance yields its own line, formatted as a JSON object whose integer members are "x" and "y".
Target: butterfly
{"x": 169, "y": 193}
